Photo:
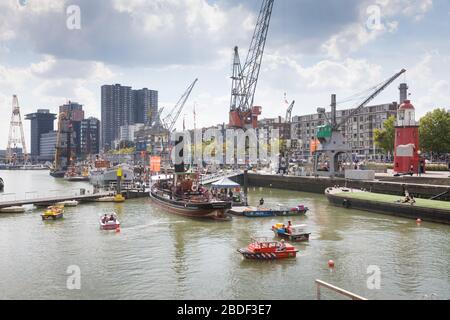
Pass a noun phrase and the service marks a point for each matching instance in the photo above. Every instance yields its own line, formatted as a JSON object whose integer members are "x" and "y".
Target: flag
{"x": 285, "y": 100}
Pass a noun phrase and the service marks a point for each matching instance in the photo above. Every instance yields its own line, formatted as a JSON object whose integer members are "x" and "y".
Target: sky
{"x": 52, "y": 51}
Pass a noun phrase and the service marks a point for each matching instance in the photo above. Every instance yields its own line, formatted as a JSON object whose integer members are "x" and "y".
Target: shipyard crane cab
{"x": 330, "y": 142}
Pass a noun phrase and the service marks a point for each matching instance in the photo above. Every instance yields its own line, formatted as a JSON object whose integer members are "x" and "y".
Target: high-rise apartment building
{"x": 122, "y": 106}
{"x": 116, "y": 111}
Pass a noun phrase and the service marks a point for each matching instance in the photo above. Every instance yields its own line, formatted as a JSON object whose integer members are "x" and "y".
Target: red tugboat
{"x": 262, "y": 249}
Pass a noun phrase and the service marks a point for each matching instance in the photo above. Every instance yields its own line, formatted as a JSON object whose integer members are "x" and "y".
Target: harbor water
{"x": 158, "y": 255}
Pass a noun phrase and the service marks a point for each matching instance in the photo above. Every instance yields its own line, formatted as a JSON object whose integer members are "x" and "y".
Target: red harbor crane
{"x": 243, "y": 114}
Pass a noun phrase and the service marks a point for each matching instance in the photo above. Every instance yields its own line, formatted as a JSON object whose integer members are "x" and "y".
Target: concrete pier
{"x": 319, "y": 185}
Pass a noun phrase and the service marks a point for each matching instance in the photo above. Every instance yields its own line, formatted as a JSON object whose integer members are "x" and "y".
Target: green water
{"x": 162, "y": 256}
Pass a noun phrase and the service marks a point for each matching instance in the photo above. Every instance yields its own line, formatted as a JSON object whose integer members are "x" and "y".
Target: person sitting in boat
{"x": 282, "y": 246}
{"x": 105, "y": 218}
{"x": 289, "y": 228}
{"x": 112, "y": 218}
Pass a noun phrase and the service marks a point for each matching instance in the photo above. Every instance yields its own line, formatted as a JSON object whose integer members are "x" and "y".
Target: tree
{"x": 435, "y": 132}
{"x": 125, "y": 144}
{"x": 385, "y": 139}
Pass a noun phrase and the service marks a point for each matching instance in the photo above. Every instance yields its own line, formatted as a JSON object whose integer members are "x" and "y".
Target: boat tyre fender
{"x": 194, "y": 188}
{"x": 346, "y": 204}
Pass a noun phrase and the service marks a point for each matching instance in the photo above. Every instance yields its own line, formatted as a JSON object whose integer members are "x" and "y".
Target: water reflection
{"x": 158, "y": 255}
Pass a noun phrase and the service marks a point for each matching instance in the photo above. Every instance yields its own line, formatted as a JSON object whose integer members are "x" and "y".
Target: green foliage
{"x": 385, "y": 139}
{"x": 435, "y": 132}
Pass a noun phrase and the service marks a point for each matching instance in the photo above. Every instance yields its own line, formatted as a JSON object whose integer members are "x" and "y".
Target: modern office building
{"x": 48, "y": 146}
{"x": 359, "y": 130}
{"x": 145, "y": 106}
{"x": 123, "y": 106}
{"x": 89, "y": 137}
{"x": 42, "y": 122}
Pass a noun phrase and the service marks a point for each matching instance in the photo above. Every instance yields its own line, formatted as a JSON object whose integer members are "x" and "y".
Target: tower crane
{"x": 245, "y": 78}
{"x": 171, "y": 119}
{"x": 332, "y": 141}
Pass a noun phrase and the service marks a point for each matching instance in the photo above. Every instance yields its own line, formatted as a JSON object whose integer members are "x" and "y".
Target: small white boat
{"x": 16, "y": 209}
{"x": 68, "y": 203}
{"x": 109, "y": 222}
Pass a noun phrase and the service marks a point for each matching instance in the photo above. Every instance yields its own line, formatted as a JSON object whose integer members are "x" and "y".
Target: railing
{"x": 35, "y": 195}
{"x": 207, "y": 179}
{"x": 340, "y": 291}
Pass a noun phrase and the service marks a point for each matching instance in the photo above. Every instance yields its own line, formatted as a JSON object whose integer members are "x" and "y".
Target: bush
{"x": 429, "y": 167}
{"x": 436, "y": 167}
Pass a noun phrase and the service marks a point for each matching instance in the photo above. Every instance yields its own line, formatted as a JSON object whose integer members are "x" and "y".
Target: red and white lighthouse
{"x": 407, "y": 154}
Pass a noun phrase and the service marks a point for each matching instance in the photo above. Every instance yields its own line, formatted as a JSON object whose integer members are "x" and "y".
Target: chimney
{"x": 403, "y": 92}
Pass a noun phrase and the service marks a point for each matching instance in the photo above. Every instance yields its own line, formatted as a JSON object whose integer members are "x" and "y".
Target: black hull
{"x": 294, "y": 238}
{"x": 57, "y": 174}
{"x": 204, "y": 210}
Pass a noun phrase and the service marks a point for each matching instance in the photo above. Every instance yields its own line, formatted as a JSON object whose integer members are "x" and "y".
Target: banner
{"x": 155, "y": 164}
{"x": 314, "y": 145}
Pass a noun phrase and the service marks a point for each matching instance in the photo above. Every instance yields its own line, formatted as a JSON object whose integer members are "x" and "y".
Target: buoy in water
{"x": 419, "y": 221}
{"x": 331, "y": 263}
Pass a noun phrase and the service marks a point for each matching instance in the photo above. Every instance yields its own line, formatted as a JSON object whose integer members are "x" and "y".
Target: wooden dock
{"x": 54, "y": 199}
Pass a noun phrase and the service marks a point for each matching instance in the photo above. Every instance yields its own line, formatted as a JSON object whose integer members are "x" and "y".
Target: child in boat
{"x": 282, "y": 246}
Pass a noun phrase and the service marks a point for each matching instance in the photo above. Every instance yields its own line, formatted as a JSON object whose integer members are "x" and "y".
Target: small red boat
{"x": 262, "y": 249}
{"x": 109, "y": 222}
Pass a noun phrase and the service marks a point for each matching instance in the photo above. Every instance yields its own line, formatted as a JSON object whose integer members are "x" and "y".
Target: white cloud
{"x": 357, "y": 34}
{"x": 327, "y": 74}
{"x": 429, "y": 84}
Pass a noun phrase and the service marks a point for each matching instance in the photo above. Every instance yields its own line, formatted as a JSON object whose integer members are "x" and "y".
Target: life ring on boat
{"x": 346, "y": 204}
{"x": 194, "y": 188}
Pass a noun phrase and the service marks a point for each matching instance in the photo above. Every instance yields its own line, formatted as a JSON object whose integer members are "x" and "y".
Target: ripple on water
{"x": 162, "y": 256}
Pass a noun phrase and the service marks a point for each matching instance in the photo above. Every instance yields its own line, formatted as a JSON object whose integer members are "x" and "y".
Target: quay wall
{"x": 319, "y": 185}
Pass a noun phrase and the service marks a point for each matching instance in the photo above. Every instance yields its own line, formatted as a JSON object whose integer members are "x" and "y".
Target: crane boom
{"x": 289, "y": 112}
{"x": 386, "y": 84}
{"x": 245, "y": 78}
{"x": 255, "y": 54}
{"x": 171, "y": 119}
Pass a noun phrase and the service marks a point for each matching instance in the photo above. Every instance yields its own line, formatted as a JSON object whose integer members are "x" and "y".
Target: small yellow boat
{"x": 116, "y": 199}
{"x": 53, "y": 213}
{"x": 119, "y": 198}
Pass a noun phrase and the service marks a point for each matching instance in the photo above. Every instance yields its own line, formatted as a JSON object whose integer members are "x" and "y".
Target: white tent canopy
{"x": 225, "y": 183}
